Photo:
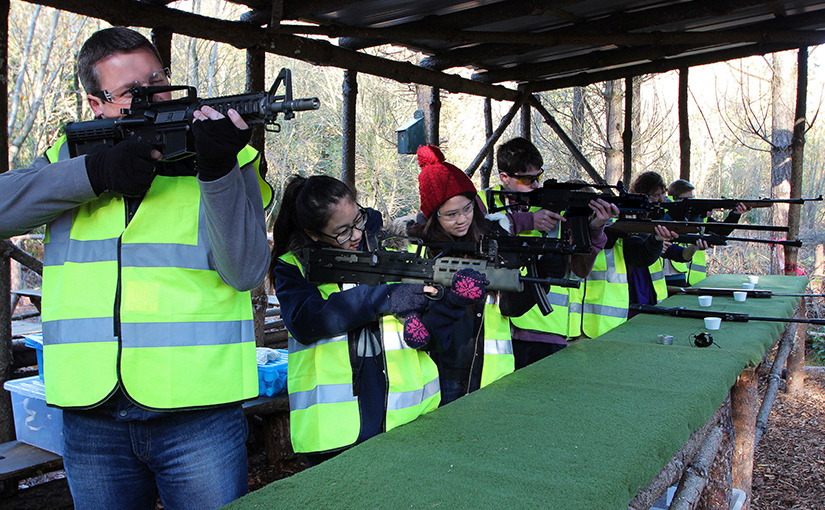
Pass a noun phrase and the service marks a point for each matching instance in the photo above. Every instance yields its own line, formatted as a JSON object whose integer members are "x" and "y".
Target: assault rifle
{"x": 725, "y": 316}
{"x": 684, "y": 227}
{"x": 332, "y": 265}
{"x": 691, "y": 207}
{"x": 754, "y": 293}
{"x": 568, "y": 197}
{"x": 166, "y": 125}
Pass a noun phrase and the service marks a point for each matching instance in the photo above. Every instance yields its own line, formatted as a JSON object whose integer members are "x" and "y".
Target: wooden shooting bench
{"x": 606, "y": 423}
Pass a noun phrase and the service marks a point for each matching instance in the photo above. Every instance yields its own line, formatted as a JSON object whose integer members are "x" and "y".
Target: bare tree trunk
{"x": 577, "y": 123}
{"x": 781, "y": 135}
{"x": 6, "y": 422}
{"x": 41, "y": 86}
{"x": 194, "y": 63}
{"x": 636, "y": 120}
{"x": 613, "y": 149}
{"x": 21, "y": 72}
{"x": 684, "y": 126}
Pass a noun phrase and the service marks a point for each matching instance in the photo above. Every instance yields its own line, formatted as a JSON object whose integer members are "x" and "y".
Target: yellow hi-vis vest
{"x": 696, "y": 268}
{"x": 323, "y": 411}
{"x": 657, "y": 277}
{"x": 140, "y": 306}
{"x": 606, "y": 293}
{"x": 498, "y": 359}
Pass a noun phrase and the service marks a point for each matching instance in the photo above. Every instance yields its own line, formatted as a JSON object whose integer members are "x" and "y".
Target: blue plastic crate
{"x": 34, "y": 422}
{"x": 36, "y": 343}
{"x": 272, "y": 376}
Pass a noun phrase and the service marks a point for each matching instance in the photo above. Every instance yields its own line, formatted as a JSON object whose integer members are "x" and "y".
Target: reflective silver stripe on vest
{"x": 183, "y": 334}
{"x": 498, "y": 346}
{"x": 574, "y": 307}
{"x": 658, "y": 275}
{"x": 80, "y": 252}
{"x": 393, "y": 341}
{"x": 610, "y": 275}
{"x": 698, "y": 267}
{"x": 558, "y": 299}
{"x": 398, "y": 401}
{"x": 296, "y": 346}
{"x": 605, "y": 311}
{"x": 165, "y": 255}
{"x": 321, "y": 394}
{"x": 69, "y": 331}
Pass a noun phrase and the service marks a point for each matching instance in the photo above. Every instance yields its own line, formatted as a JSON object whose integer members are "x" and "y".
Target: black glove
{"x": 217, "y": 144}
{"x": 467, "y": 288}
{"x": 126, "y": 168}
{"x": 406, "y": 297}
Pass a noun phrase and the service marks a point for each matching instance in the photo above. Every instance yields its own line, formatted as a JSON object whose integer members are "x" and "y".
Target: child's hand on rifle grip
{"x": 663, "y": 234}
{"x": 602, "y": 211}
{"x": 218, "y": 140}
{"x": 545, "y": 220}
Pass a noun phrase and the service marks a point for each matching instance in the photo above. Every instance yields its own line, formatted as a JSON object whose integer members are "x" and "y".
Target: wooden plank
{"x": 20, "y": 460}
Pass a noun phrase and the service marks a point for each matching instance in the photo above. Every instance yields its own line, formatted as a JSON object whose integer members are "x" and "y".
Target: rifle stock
{"x": 683, "y": 227}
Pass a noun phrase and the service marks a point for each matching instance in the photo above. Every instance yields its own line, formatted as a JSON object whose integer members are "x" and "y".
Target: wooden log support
{"x": 435, "y": 116}
{"x": 796, "y": 358}
{"x": 162, "y": 39}
{"x": 717, "y": 494}
{"x": 774, "y": 379}
{"x": 487, "y": 168}
{"x": 684, "y": 126}
{"x": 6, "y": 422}
{"x": 797, "y": 158}
{"x": 550, "y": 121}
{"x": 526, "y": 124}
{"x": 672, "y": 471}
{"x": 627, "y": 134}
{"x": 697, "y": 473}
{"x": 348, "y": 143}
{"x": 8, "y": 249}
{"x": 491, "y": 140}
{"x": 743, "y": 401}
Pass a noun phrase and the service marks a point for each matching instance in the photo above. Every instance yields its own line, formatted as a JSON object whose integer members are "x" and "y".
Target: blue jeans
{"x": 193, "y": 459}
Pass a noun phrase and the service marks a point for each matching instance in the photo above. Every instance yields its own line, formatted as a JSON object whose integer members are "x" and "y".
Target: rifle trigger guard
{"x": 440, "y": 294}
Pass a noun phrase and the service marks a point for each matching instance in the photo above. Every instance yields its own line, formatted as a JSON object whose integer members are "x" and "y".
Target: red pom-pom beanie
{"x": 439, "y": 181}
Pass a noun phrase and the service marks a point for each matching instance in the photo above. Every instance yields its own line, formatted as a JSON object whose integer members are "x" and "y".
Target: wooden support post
{"x": 744, "y": 401}
{"x": 348, "y": 149}
{"x": 550, "y": 121}
{"x": 775, "y": 377}
{"x": 525, "y": 126}
{"x": 627, "y": 134}
{"x": 162, "y": 39}
{"x": 6, "y": 421}
{"x": 435, "y": 116}
{"x": 796, "y": 359}
{"x": 491, "y": 140}
{"x": 797, "y": 158}
{"x": 698, "y": 472}
{"x": 819, "y": 269}
{"x": 718, "y": 489}
{"x": 684, "y": 126}
{"x": 487, "y": 169}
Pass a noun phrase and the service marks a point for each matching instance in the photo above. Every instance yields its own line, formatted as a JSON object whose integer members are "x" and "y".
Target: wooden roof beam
{"x": 660, "y": 66}
{"x": 242, "y": 35}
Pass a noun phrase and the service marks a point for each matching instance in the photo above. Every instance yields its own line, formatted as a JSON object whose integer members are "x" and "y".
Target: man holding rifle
{"x": 149, "y": 342}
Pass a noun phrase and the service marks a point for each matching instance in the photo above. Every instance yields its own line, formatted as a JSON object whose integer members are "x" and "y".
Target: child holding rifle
{"x": 351, "y": 375}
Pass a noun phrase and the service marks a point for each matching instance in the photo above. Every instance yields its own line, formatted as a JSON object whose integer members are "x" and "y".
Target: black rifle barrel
{"x": 725, "y": 316}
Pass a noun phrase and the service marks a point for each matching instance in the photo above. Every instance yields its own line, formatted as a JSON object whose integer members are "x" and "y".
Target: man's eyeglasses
{"x": 122, "y": 94}
{"x": 346, "y": 234}
{"x": 452, "y": 216}
{"x": 525, "y": 179}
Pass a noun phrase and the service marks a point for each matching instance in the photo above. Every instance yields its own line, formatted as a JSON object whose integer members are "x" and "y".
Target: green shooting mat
{"x": 586, "y": 428}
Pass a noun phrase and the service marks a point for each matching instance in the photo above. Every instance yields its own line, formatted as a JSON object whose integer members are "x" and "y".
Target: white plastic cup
{"x": 740, "y": 295}
{"x": 752, "y": 278}
{"x": 748, "y": 285}
{"x": 713, "y": 323}
{"x": 705, "y": 300}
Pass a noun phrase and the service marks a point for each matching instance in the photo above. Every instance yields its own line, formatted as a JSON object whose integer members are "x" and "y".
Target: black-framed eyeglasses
{"x": 122, "y": 94}
{"x": 526, "y": 179}
{"x": 346, "y": 234}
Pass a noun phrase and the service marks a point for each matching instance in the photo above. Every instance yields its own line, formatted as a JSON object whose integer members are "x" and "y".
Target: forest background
{"x": 730, "y": 110}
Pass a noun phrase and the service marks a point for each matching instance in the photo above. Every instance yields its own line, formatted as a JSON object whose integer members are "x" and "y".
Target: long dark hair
{"x": 432, "y": 232}
{"x": 307, "y": 204}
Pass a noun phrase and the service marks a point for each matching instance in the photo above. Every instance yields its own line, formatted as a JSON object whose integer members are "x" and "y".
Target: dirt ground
{"x": 789, "y": 466}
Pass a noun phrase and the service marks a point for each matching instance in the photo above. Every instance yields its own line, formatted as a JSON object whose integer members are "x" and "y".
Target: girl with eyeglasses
{"x": 472, "y": 345}
{"x": 351, "y": 375}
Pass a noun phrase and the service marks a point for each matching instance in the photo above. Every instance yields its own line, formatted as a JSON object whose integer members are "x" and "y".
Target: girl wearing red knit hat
{"x": 471, "y": 339}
